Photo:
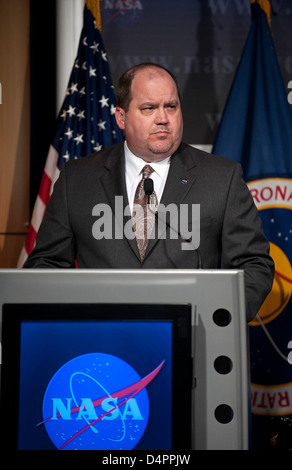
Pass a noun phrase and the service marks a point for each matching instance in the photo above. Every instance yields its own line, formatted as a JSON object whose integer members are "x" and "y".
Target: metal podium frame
{"x": 219, "y": 332}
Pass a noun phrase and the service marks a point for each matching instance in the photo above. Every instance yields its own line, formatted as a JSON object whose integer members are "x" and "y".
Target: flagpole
{"x": 69, "y": 22}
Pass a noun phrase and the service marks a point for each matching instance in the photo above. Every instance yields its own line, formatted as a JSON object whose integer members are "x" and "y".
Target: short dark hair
{"x": 123, "y": 92}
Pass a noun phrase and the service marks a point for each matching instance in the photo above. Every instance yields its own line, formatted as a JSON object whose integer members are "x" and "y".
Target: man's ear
{"x": 120, "y": 117}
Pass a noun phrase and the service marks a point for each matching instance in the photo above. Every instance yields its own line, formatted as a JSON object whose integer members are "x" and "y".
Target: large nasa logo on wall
{"x": 97, "y": 401}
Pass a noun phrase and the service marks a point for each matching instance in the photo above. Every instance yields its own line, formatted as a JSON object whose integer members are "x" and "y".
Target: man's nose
{"x": 161, "y": 116}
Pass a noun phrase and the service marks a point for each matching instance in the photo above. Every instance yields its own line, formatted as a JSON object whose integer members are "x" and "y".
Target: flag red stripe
{"x": 30, "y": 239}
{"x": 45, "y": 188}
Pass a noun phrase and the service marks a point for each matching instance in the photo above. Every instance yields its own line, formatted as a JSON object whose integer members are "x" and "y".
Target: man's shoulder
{"x": 104, "y": 158}
{"x": 204, "y": 159}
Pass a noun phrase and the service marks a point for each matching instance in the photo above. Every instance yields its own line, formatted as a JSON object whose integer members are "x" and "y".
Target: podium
{"x": 220, "y": 391}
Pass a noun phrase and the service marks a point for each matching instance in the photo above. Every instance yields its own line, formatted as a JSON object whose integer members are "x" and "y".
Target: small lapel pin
{"x": 184, "y": 181}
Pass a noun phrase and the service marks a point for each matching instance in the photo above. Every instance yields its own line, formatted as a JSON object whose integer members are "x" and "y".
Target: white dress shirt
{"x": 133, "y": 168}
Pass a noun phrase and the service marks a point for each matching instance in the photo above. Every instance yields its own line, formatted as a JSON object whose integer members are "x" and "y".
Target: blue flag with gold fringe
{"x": 256, "y": 130}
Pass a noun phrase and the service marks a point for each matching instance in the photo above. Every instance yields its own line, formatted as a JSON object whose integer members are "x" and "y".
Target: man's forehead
{"x": 151, "y": 74}
{"x": 145, "y": 81}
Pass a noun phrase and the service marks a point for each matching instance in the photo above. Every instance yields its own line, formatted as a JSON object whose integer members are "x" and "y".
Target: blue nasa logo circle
{"x": 96, "y": 401}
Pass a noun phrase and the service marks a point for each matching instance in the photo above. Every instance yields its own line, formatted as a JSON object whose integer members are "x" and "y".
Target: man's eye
{"x": 147, "y": 109}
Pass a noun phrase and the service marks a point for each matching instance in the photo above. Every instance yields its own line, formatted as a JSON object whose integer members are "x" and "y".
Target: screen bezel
{"x": 179, "y": 315}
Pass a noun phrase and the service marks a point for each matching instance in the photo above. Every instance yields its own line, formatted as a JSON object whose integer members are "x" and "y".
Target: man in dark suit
{"x": 90, "y": 211}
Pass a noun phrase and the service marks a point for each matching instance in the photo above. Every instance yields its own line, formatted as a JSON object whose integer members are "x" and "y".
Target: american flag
{"x": 86, "y": 122}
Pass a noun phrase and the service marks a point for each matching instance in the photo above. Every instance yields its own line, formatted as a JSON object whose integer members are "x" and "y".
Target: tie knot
{"x": 147, "y": 170}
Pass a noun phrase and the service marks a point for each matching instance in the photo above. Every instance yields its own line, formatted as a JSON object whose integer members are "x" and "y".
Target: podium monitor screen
{"x": 96, "y": 376}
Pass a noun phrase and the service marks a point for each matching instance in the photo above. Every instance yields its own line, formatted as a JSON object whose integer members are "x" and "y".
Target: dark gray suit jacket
{"x": 231, "y": 235}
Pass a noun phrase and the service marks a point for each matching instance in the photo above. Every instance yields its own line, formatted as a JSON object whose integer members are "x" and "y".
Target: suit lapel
{"x": 114, "y": 183}
{"x": 113, "y": 180}
{"x": 181, "y": 177}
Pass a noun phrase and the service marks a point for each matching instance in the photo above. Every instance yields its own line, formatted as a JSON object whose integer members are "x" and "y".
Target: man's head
{"x": 149, "y": 111}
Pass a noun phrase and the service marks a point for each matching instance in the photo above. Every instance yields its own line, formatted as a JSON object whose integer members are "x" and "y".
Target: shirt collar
{"x": 135, "y": 164}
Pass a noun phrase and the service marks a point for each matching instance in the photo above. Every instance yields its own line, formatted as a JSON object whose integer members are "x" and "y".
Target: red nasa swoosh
{"x": 132, "y": 390}
{"x": 283, "y": 277}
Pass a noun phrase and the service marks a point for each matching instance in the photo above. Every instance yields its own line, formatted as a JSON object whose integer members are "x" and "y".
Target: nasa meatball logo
{"x": 275, "y": 193}
{"x": 97, "y": 401}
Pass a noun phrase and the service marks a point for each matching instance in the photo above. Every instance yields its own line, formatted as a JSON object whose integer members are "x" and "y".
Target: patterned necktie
{"x": 143, "y": 215}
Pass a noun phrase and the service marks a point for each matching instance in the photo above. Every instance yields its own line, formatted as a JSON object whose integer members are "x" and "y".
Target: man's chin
{"x": 160, "y": 148}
